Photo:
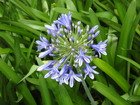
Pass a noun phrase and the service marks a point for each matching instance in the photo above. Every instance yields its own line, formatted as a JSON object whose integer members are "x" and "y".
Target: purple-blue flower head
{"x": 100, "y": 47}
{"x": 81, "y": 57}
{"x": 53, "y": 29}
{"x": 69, "y": 77}
{"x": 73, "y": 47}
{"x": 43, "y": 43}
{"x": 89, "y": 71}
{"x": 64, "y": 20}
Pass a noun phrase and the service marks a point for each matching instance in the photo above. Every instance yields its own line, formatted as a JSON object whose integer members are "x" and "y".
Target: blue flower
{"x": 100, "y": 47}
{"x": 93, "y": 31}
{"x": 90, "y": 71}
{"x": 64, "y": 20}
{"x": 48, "y": 51}
{"x": 81, "y": 57}
{"x": 53, "y": 72}
{"x": 47, "y": 66}
{"x": 53, "y": 29}
{"x": 43, "y": 43}
{"x": 69, "y": 77}
{"x": 71, "y": 46}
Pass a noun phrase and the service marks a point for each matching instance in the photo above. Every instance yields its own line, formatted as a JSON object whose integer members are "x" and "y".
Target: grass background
{"x": 22, "y": 22}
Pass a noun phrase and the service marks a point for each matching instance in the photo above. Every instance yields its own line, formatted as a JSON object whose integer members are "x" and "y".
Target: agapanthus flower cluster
{"x": 73, "y": 47}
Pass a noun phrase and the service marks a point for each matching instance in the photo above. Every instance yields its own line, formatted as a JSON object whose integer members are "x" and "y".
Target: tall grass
{"x": 22, "y": 22}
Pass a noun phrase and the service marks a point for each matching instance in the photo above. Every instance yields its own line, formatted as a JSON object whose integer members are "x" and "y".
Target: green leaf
{"x": 34, "y": 13}
{"x": 134, "y": 98}
{"x": 37, "y": 25}
{"x": 87, "y": 4}
{"x": 41, "y": 15}
{"x": 30, "y": 50}
{"x": 11, "y": 75}
{"x": 79, "y": 4}
{"x": 5, "y": 50}
{"x": 70, "y": 5}
{"x": 120, "y": 9}
{"x": 101, "y": 4}
{"x": 45, "y": 94}
{"x": 17, "y": 30}
{"x": 110, "y": 71}
{"x": 130, "y": 61}
{"x": 135, "y": 90}
{"x": 112, "y": 24}
{"x": 59, "y": 92}
{"x": 104, "y": 14}
{"x": 8, "y": 38}
{"x": 124, "y": 38}
{"x": 108, "y": 92}
{"x": 11, "y": 92}
{"x": 31, "y": 71}
{"x": 33, "y": 81}
{"x": 1, "y": 10}
{"x": 21, "y": 25}
{"x": 23, "y": 7}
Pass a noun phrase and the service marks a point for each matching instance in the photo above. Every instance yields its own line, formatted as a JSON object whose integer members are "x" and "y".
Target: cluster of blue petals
{"x": 72, "y": 47}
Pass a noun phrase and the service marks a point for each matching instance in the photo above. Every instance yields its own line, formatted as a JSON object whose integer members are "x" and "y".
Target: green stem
{"x": 88, "y": 93}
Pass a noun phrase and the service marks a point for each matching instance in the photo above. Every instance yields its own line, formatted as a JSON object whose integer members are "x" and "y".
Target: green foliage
{"x": 22, "y": 22}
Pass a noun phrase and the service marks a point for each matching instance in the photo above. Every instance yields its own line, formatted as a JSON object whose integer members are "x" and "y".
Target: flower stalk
{"x": 88, "y": 93}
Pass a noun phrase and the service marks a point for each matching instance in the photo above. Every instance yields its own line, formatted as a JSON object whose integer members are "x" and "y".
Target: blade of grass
{"x": 133, "y": 29}
{"x": 60, "y": 93}
{"x": 24, "y": 8}
{"x": 112, "y": 24}
{"x": 109, "y": 93}
{"x": 17, "y": 30}
{"x": 122, "y": 47}
{"x": 34, "y": 24}
{"x": 116, "y": 76}
{"x": 135, "y": 89}
{"x": 70, "y": 5}
{"x": 32, "y": 70}
{"x": 11, "y": 93}
{"x": 79, "y": 5}
{"x": 134, "y": 98}
{"x": 34, "y": 13}
{"x": 104, "y": 14}
{"x": 120, "y": 9}
{"x": 5, "y": 50}
{"x": 8, "y": 38}
{"x": 30, "y": 50}
{"x": 11, "y": 75}
{"x": 101, "y": 5}
{"x": 130, "y": 61}
{"x": 88, "y": 4}
{"x": 18, "y": 54}
{"x": 46, "y": 98}
{"x": 21, "y": 25}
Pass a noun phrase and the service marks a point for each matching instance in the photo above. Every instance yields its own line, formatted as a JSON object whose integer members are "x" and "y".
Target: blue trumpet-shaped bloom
{"x": 64, "y": 20}
{"x": 73, "y": 48}
{"x": 100, "y": 47}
